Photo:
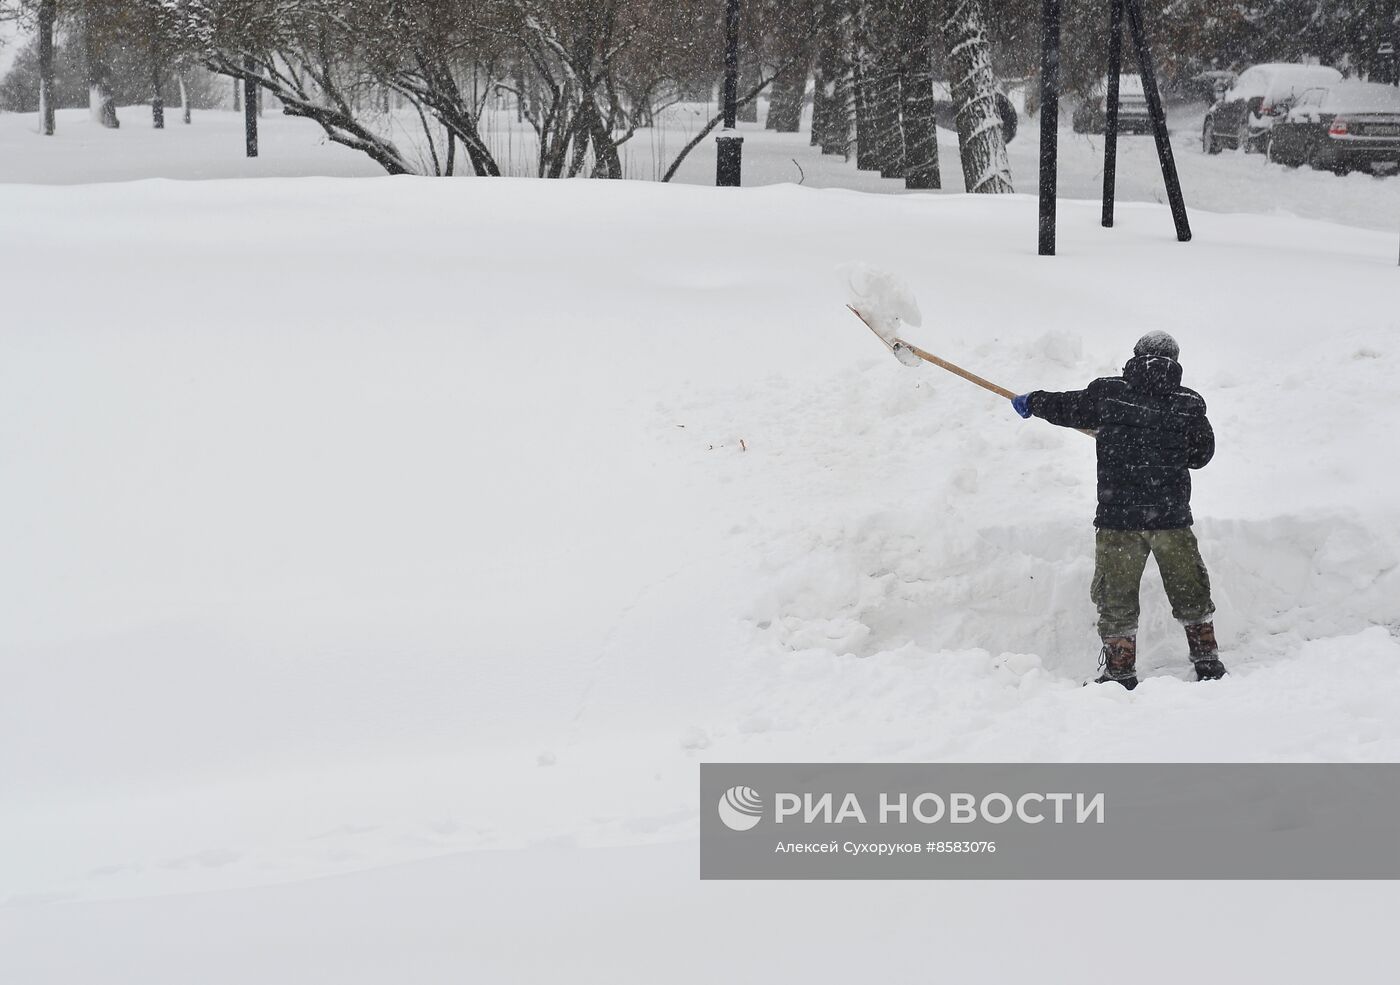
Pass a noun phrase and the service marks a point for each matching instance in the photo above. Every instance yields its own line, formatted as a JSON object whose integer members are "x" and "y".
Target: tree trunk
{"x": 770, "y": 122}
{"x": 238, "y": 95}
{"x": 749, "y": 74}
{"x": 157, "y": 99}
{"x": 607, "y": 163}
{"x": 983, "y": 149}
{"x": 889, "y": 127}
{"x": 100, "y": 103}
{"x": 250, "y": 108}
{"x": 862, "y": 87}
{"x": 48, "y": 10}
{"x": 581, "y": 133}
{"x": 916, "y": 97}
{"x": 834, "y": 134}
{"x": 789, "y": 94}
{"x": 819, "y": 107}
{"x": 883, "y": 86}
{"x": 184, "y": 99}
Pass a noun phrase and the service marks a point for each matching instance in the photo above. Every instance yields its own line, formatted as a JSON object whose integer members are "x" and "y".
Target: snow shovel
{"x": 898, "y": 345}
{"x": 910, "y": 355}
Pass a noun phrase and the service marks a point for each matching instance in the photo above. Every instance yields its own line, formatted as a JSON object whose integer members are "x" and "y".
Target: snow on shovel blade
{"x": 885, "y": 303}
{"x": 905, "y": 354}
{"x": 899, "y": 347}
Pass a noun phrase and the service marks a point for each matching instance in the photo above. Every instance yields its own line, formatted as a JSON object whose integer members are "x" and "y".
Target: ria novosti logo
{"x": 740, "y": 808}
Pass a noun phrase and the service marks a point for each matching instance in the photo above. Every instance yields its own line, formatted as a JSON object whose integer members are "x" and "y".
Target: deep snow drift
{"x": 351, "y": 524}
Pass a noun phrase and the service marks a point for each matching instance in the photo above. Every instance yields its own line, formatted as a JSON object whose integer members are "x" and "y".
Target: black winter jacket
{"x": 1151, "y": 430}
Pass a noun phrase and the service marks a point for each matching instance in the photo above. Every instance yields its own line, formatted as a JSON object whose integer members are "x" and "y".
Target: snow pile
{"x": 314, "y": 575}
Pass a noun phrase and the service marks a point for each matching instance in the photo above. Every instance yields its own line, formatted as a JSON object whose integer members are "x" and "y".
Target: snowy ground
{"x": 319, "y": 566}
{"x": 383, "y": 556}
{"x": 213, "y": 148}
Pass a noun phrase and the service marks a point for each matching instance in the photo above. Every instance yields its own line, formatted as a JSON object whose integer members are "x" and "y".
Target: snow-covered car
{"x": 1341, "y": 127}
{"x": 1242, "y": 117}
{"x": 1211, "y": 84}
{"x": 1091, "y": 116}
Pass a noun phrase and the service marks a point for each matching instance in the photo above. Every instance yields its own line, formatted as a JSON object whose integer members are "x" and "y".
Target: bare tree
{"x": 585, "y": 75}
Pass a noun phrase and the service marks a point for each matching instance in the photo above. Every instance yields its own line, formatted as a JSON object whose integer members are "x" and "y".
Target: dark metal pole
{"x": 1159, "y": 120}
{"x": 1110, "y": 123}
{"x": 1049, "y": 120}
{"x": 729, "y": 145}
{"x": 48, "y": 14}
{"x": 250, "y": 107}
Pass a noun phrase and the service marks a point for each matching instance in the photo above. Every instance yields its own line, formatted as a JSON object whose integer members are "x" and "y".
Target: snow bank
{"x": 318, "y": 568}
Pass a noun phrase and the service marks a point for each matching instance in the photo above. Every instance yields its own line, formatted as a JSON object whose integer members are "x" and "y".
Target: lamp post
{"x": 1119, "y": 12}
{"x": 250, "y": 107}
{"x": 729, "y": 145}
{"x": 1049, "y": 121}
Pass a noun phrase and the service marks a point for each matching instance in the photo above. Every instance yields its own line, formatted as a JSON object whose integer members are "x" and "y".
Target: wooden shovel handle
{"x": 953, "y": 368}
{"x": 957, "y": 370}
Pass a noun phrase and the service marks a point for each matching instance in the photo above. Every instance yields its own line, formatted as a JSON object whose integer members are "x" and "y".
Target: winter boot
{"x": 1200, "y": 637}
{"x": 1118, "y": 661}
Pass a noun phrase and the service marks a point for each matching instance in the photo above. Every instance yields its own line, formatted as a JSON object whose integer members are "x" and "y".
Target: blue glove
{"x": 1022, "y": 403}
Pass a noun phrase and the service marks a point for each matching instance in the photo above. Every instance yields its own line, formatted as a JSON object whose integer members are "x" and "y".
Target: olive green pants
{"x": 1120, "y": 556}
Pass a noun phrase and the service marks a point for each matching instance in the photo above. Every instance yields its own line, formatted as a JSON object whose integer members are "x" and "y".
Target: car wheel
{"x": 1208, "y": 143}
{"x": 1316, "y": 160}
{"x": 1276, "y": 156}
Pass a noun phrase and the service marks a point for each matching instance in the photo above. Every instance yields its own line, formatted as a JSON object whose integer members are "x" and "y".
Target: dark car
{"x": 1341, "y": 128}
{"x": 1091, "y": 116}
{"x": 1243, "y": 116}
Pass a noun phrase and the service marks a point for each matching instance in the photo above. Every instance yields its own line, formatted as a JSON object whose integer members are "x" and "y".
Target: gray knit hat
{"x": 1157, "y": 343}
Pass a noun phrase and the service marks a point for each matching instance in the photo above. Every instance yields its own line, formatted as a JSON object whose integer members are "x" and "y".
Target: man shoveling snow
{"x": 1150, "y": 431}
